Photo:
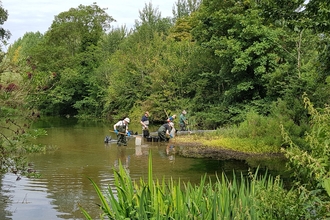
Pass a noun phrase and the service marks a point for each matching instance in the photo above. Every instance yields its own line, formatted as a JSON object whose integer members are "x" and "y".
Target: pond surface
{"x": 82, "y": 153}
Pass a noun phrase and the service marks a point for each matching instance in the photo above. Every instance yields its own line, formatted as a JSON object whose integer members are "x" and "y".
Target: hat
{"x": 127, "y": 120}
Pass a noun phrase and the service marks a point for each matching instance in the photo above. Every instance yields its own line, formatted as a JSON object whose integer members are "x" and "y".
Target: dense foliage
{"x": 248, "y": 65}
{"x": 15, "y": 120}
{"x": 218, "y": 59}
{"x": 16, "y": 114}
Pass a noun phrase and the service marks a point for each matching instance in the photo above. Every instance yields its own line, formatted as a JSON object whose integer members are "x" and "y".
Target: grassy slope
{"x": 219, "y": 142}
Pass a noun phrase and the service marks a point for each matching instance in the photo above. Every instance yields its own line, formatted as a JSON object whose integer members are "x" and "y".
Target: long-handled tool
{"x": 166, "y": 113}
{"x": 122, "y": 133}
{"x": 118, "y": 132}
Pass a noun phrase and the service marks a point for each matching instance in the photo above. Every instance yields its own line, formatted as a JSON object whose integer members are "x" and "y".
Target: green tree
{"x": 93, "y": 103}
{"x": 111, "y": 41}
{"x": 256, "y": 53}
{"x": 70, "y": 46}
{"x": 241, "y": 50}
{"x": 184, "y": 8}
{"x": 318, "y": 14}
{"x": 71, "y": 33}
{"x": 19, "y": 52}
{"x": 132, "y": 66}
{"x": 151, "y": 22}
{"x": 4, "y": 34}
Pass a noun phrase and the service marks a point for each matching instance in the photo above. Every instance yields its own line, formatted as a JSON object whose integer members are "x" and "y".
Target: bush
{"x": 257, "y": 128}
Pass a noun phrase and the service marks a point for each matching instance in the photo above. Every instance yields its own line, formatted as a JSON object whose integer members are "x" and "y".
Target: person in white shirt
{"x": 121, "y": 129}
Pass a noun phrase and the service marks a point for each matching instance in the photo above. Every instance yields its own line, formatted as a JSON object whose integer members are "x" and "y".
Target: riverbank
{"x": 218, "y": 147}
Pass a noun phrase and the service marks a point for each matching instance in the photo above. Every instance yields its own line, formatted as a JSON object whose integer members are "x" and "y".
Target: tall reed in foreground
{"x": 239, "y": 198}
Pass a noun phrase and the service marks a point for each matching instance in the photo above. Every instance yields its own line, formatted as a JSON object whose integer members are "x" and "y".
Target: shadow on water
{"x": 81, "y": 153}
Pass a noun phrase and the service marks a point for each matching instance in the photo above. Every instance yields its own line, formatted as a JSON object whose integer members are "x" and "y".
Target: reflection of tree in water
{"x": 70, "y": 191}
{"x": 5, "y": 200}
{"x": 68, "y": 186}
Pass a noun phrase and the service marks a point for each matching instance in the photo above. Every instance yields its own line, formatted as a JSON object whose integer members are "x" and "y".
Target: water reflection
{"x": 123, "y": 158}
{"x": 26, "y": 201}
{"x": 82, "y": 153}
{"x": 5, "y": 200}
{"x": 170, "y": 152}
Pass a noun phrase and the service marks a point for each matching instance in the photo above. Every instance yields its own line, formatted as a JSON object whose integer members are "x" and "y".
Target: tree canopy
{"x": 219, "y": 59}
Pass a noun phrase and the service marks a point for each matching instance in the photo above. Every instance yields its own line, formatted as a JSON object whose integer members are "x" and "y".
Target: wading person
{"x": 121, "y": 129}
{"x": 145, "y": 123}
{"x": 183, "y": 121}
{"x": 164, "y": 131}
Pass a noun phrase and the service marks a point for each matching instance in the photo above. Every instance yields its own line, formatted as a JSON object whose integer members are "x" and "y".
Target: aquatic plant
{"x": 252, "y": 197}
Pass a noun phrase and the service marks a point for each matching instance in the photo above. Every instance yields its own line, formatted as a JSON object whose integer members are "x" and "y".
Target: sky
{"x": 38, "y": 15}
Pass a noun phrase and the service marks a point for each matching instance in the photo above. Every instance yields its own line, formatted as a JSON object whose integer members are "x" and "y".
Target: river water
{"x": 81, "y": 153}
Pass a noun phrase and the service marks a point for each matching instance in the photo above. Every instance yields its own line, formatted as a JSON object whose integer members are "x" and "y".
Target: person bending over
{"x": 164, "y": 131}
{"x": 121, "y": 129}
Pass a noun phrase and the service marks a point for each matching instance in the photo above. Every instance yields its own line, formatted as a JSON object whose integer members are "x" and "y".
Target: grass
{"x": 214, "y": 140}
{"x": 256, "y": 134}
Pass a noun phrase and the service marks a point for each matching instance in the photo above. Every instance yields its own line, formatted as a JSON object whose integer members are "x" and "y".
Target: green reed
{"x": 238, "y": 198}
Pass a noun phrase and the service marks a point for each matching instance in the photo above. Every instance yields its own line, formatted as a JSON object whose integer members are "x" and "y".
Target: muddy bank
{"x": 196, "y": 151}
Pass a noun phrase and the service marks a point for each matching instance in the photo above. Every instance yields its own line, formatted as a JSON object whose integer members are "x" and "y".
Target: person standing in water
{"x": 145, "y": 124}
{"x": 121, "y": 129}
{"x": 164, "y": 131}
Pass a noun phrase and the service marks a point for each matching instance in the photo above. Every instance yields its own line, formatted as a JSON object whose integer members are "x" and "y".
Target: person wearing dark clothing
{"x": 145, "y": 123}
{"x": 164, "y": 131}
{"x": 121, "y": 129}
{"x": 183, "y": 120}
